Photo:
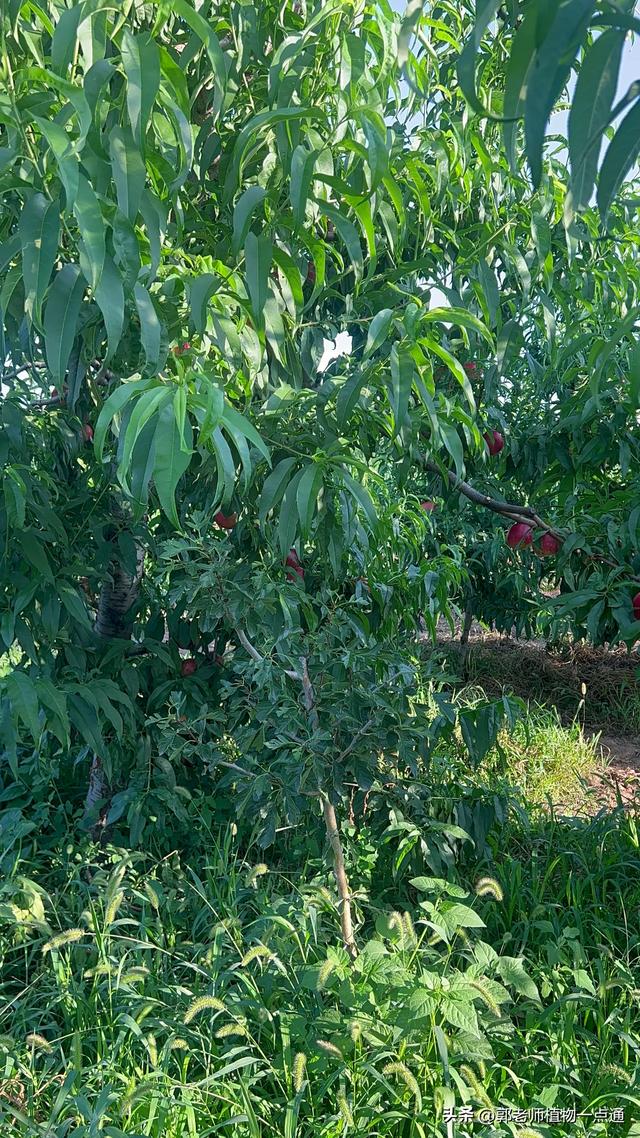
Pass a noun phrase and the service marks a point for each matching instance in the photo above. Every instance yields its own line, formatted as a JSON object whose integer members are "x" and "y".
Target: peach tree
{"x": 214, "y": 552}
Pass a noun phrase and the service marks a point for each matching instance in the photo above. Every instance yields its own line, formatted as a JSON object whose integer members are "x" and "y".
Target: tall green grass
{"x": 204, "y": 990}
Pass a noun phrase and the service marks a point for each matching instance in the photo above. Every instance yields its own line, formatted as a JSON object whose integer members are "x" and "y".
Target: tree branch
{"x": 512, "y": 510}
{"x": 253, "y": 652}
{"x": 333, "y": 834}
{"x": 309, "y": 697}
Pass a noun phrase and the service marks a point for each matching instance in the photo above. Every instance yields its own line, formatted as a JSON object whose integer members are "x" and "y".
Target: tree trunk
{"x": 117, "y": 596}
{"x": 464, "y": 638}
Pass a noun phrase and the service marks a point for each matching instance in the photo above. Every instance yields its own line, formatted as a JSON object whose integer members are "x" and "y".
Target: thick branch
{"x": 117, "y": 596}
{"x": 512, "y": 510}
{"x": 246, "y": 644}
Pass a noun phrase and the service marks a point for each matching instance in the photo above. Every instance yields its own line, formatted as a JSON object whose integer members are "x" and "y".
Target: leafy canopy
{"x": 194, "y": 200}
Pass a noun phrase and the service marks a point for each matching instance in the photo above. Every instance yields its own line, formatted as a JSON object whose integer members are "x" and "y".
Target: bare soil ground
{"x": 597, "y": 687}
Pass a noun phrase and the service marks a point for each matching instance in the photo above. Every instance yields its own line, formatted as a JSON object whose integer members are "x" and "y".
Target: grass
{"x": 549, "y": 761}
{"x": 203, "y": 990}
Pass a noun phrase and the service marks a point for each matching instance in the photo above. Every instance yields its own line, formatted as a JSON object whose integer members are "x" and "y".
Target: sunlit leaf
{"x": 549, "y": 74}
{"x": 590, "y": 109}
{"x": 621, "y": 153}
{"x": 141, "y": 62}
{"x": 39, "y": 229}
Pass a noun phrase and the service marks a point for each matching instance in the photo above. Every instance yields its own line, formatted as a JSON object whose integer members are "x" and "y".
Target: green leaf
{"x": 141, "y": 466}
{"x": 171, "y": 461}
{"x": 15, "y": 496}
{"x": 307, "y": 495}
{"x": 258, "y": 256}
{"x": 550, "y": 73}
{"x": 349, "y": 235}
{"x": 517, "y": 79}
{"x": 288, "y": 520}
{"x": 95, "y": 79}
{"x": 375, "y": 132}
{"x": 490, "y": 289}
{"x": 154, "y": 215}
{"x": 460, "y": 1014}
{"x": 180, "y": 412}
{"x": 66, "y": 158}
{"x": 590, "y": 110}
{"x": 74, "y": 605}
{"x": 61, "y": 318}
{"x": 90, "y": 221}
{"x": 141, "y": 62}
{"x": 200, "y": 291}
{"x": 451, "y": 440}
{"x": 241, "y": 424}
{"x": 347, "y": 398}
{"x": 510, "y": 342}
{"x": 110, "y": 300}
{"x": 150, "y": 328}
{"x": 462, "y": 916}
{"x": 402, "y": 373}
{"x": 148, "y": 405}
{"x": 263, "y": 118}
{"x": 128, "y": 171}
{"x": 113, "y": 406}
{"x": 85, "y": 720}
{"x": 39, "y": 229}
{"x": 274, "y": 487}
{"x": 206, "y": 34}
{"x": 460, "y": 317}
{"x": 68, "y": 93}
{"x": 361, "y": 496}
{"x": 9, "y": 251}
{"x": 410, "y": 18}
{"x": 56, "y": 701}
{"x": 378, "y": 329}
{"x": 24, "y": 701}
{"x": 511, "y": 970}
{"x": 184, "y": 138}
{"x": 302, "y": 167}
{"x": 619, "y": 158}
{"x": 64, "y": 39}
{"x": 243, "y": 213}
{"x": 466, "y": 65}
{"x": 225, "y": 463}
{"x": 454, "y": 367}
{"x": 634, "y": 376}
{"x": 34, "y": 552}
{"x": 480, "y": 727}
{"x": 289, "y": 281}
{"x": 213, "y": 407}
{"x": 126, "y": 249}
{"x": 274, "y": 325}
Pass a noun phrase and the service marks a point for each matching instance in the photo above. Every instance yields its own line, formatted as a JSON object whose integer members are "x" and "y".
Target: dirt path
{"x": 618, "y": 779}
{"x": 596, "y": 686}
